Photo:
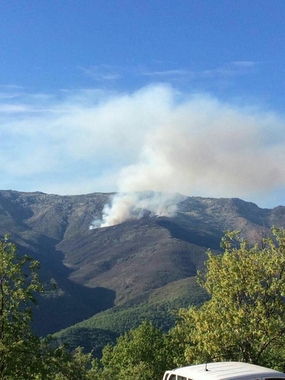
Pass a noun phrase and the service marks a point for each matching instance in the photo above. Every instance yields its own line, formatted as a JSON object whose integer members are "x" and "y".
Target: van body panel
{"x": 223, "y": 371}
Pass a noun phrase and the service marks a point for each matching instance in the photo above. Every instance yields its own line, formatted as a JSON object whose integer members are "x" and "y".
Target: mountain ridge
{"x": 98, "y": 269}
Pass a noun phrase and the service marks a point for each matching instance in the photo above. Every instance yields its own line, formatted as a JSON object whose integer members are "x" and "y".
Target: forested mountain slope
{"x": 132, "y": 263}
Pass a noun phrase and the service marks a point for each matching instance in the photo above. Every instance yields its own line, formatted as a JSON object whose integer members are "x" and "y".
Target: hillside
{"x": 149, "y": 261}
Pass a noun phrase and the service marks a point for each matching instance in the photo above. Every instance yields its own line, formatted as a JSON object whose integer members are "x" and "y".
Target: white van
{"x": 223, "y": 371}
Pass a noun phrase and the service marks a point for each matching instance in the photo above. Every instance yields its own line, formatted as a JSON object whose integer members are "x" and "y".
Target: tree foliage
{"x": 245, "y": 317}
{"x": 20, "y": 349}
{"x": 23, "y": 355}
{"x": 141, "y": 353}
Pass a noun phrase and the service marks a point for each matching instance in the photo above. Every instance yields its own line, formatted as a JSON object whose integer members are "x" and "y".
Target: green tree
{"x": 245, "y": 317}
{"x": 23, "y": 355}
{"x": 74, "y": 365}
{"x": 20, "y": 349}
{"x": 141, "y": 353}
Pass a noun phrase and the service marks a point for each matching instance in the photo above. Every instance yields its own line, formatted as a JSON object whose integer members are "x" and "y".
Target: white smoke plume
{"x": 136, "y": 205}
{"x": 199, "y": 147}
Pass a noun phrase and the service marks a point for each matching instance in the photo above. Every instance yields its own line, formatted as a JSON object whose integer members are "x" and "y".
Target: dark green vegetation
{"x": 244, "y": 319}
{"x": 19, "y": 348}
{"x": 162, "y": 311}
{"x": 23, "y": 355}
{"x": 108, "y": 280}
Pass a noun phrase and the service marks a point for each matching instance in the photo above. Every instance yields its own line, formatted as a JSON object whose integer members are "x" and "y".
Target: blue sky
{"x": 113, "y": 95}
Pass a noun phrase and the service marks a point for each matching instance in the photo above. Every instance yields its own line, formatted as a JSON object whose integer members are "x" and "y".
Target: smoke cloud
{"x": 202, "y": 147}
{"x": 142, "y": 144}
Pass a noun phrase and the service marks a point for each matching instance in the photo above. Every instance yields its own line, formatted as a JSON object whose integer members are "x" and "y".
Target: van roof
{"x": 226, "y": 371}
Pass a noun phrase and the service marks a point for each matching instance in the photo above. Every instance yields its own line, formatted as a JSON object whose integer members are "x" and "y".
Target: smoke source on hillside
{"x": 136, "y": 205}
